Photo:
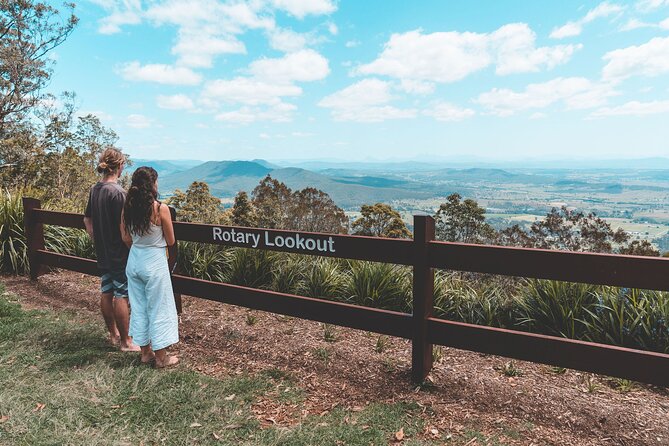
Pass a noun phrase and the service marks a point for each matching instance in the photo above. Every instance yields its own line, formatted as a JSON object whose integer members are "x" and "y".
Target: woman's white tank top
{"x": 154, "y": 238}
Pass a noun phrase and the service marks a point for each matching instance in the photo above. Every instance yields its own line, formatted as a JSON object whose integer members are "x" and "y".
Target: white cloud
{"x": 352, "y": 43}
{"x": 125, "y": 12}
{"x": 452, "y": 56}
{"x": 651, "y": 5}
{"x": 242, "y": 90}
{"x": 634, "y": 23}
{"x": 633, "y": 108}
{"x": 445, "y": 111}
{"x": 573, "y": 92}
{"x": 302, "y": 8}
{"x": 365, "y": 101}
{"x": 538, "y": 115}
{"x": 332, "y": 29}
{"x": 300, "y": 66}
{"x": 159, "y": 73}
{"x": 138, "y": 121}
{"x": 571, "y": 29}
{"x": 280, "y": 112}
{"x": 287, "y": 40}
{"x": 416, "y": 87}
{"x": 649, "y": 59}
{"x": 175, "y": 102}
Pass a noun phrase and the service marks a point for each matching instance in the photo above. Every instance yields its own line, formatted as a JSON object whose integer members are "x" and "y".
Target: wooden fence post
{"x": 423, "y": 298}
{"x": 34, "y": 232}
{"x": 172, "y": 261}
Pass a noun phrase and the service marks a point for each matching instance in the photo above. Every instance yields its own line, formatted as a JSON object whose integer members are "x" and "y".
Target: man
{"x": 102, "y": 220}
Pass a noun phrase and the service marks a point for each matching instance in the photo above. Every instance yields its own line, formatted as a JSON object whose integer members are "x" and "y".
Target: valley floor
{"x": 318, "y": 391}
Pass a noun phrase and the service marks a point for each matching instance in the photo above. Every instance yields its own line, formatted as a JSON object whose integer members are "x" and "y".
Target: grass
{"x": 62, "y": 384}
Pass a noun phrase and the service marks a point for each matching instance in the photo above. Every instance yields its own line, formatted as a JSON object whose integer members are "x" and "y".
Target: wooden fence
{"x": 424, "y": 254}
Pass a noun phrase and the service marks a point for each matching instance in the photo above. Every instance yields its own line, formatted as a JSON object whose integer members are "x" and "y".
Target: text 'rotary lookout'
{"x": 274, "y": 239}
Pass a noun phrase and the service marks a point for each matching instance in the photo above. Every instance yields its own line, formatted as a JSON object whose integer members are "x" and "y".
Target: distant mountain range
{"x": 353, "y": 184}
{"x": 226, "y": 178}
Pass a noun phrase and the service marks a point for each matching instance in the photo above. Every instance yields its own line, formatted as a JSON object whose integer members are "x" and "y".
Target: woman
{"x": 147, "y": 229}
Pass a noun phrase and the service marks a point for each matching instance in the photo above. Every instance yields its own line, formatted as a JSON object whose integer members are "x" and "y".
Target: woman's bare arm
{"x": 127, "y": 239}
{"x": 166, "y": 222}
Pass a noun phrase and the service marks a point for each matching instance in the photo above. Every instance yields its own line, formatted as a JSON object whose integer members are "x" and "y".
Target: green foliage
{"x": 462, "y": 221}
{"x": 288, "y": 272}
{"x": 324, "y": 279}
{"x": 557, "y": 308}
{"x": 380, "y": 220}
{"x": 203, "y": 261}
{"x": 197, "y": 204}
{"x": 243, "y": 213}
{"x": 13, "y": 248}
{"x": 272, "y": 203}
{"x": 380, "y": 285}
{"x": 458, "y": 299}
{"x": 250, "y": 268}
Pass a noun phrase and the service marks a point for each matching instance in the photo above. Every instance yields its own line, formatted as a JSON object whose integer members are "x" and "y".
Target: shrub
{"x": 380, "y": 285}
{"x": 557, "y": 308}
{"x": 203, "y": 261}
{"x": 324, "y": 279}
{"x": 288, "y": 274}
{"x": 13, "y": 247}
{"x": 250, "y": 268}
{"x": 474, "y": 303}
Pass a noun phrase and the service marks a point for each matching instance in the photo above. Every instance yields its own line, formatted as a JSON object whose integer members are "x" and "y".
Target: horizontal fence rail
{"x": 423, "y": 254}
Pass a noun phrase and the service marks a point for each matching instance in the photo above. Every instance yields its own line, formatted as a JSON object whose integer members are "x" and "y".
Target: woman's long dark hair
{"x": 138, "y": 208}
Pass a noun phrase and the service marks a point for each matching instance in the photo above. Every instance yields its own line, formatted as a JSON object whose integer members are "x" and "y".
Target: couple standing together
{"x": 131, "y": 232}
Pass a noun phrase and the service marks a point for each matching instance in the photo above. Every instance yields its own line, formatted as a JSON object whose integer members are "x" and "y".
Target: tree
{"x": 569, "y": 230}
{"x": 29, "y": 30}
{"x": 197, "y": 205}
{"x": 70, "y": 148}
{"x": 243, "y": 213}
{"x": 380, "y": 220}
{"x": 272, "y": 201}
{"x": 462, "y": 221}
{"x": 313, "y": 210}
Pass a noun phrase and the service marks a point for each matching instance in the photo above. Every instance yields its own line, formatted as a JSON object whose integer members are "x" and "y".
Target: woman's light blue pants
{"x": 153, "y": 317}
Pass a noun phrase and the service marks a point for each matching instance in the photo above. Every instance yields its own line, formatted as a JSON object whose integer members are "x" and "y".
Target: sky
{"x": 374, "y": 79}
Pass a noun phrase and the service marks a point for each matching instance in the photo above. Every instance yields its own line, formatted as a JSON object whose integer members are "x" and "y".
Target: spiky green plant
{"x": 557, "y": 308}
{"x": 203, "y": 261}
{"x": 250, "y": 268}
{"x": 380, "y": 285}
{"x": 13, "y": 247}
{"x": 630, "y": 318}
{"x": 288, "y": 273}
{"x": 479, "y": 303}
{"x": 323, "y": 279}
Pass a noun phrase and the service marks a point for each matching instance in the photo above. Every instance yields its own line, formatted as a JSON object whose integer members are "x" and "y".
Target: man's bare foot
{"x": 115, "y": 341}
{"x": 168, "y": 361}
{"x": 129, "y": 347}
{"x": 148, "y": 358}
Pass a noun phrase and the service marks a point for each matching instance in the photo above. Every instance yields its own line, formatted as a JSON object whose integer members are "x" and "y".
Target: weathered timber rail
{"x": 424, "y": 254}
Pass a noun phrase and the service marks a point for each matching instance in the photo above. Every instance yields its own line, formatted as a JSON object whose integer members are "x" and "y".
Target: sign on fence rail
{"x": 424, "y": 254}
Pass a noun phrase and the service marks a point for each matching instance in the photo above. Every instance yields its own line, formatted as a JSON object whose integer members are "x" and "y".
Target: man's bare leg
{"x": 122, "y": 316}
{"x": 107, "y": 309}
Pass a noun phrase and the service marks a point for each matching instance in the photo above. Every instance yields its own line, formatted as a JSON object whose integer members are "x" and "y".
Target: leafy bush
{"x": 202, "y": 261}
{"x": 250, "y": 268}
{"x": 380, "y": 285}
{"x": 13, "y": 247}
{"x": 324, "y": 279}
{"x": 288, "y": 274}
{"x": 557, "y": 308}
{"x": 460, "y": 300}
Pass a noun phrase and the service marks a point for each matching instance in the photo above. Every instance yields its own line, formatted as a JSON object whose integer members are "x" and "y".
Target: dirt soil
{"x": 469, "y": 392}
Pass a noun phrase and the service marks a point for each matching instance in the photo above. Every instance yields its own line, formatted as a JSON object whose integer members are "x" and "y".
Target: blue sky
{"x": 363, "y": 80}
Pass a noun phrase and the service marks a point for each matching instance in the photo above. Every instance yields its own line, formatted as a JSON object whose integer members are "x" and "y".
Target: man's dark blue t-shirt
{"x": 104, "y": 207}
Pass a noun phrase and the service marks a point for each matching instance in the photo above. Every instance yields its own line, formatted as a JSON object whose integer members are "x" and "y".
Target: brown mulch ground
{"x": 468, "y": 391}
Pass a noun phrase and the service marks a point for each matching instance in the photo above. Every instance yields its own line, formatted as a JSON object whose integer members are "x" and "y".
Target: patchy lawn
{"x": 305, "y": 383}
{"x": 62, "y": 384}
